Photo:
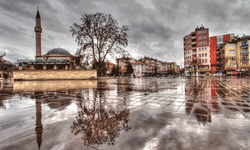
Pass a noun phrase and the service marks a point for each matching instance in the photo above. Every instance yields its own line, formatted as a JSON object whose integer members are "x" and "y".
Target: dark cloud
{"x": 156, "y": 27}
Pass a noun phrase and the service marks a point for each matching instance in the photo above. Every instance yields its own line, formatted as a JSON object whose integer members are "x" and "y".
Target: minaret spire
{"x": 37, "y": 14}
{"x": 38, "y": 30}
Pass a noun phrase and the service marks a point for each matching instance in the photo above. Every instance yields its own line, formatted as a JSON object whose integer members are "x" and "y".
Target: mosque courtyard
{"x": 126, "y": 114}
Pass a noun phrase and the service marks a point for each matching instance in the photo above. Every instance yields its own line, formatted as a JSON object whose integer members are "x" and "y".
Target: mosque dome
{"x": 40, "y": 60}
{"x": 63, "y": 60}
{"x": 58, "y": 51}
{"x": 52, "y": 60}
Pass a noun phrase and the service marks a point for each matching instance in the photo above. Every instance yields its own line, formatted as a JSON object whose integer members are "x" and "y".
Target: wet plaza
{"x": 126, "y": 114}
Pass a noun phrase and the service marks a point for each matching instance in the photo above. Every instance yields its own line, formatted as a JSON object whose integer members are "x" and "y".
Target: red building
{"x": 215, "y": 42}
{"x": 196, "y": 44}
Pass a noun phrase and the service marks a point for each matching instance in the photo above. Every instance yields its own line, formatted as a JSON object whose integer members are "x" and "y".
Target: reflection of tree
{"x": 198, "y": 105}
{"x": 2, "y": 104}
{"x": 100, "y": 126}
{"x": 5, "y": 93}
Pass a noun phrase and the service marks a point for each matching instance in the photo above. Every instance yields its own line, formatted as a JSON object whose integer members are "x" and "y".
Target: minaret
{"x": 38, "y": 30}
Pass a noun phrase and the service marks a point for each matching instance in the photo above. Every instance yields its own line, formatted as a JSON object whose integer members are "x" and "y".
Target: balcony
{"x": 244, "y": 46}
{"x": 244, "y": 59}
{"x": 193, "y": 37}
{"x": 193, "y": 43}
{"x": 244, "y": 53}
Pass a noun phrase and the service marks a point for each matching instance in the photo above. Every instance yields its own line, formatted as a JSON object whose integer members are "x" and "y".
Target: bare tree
{"x": 222, "y": 63}
{"x": 195, "y": 62}
{"x": 99, "y": 36}
{"x": 5, "y": 66}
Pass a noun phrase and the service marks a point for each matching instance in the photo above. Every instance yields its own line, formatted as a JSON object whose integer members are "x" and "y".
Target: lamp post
{"x": 181, "y": 62}
{"x": 181, "y": 65}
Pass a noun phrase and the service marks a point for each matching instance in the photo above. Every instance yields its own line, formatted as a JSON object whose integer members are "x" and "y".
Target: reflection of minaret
{"x": 38, "y": 30}
{"x": 39, "y": 126}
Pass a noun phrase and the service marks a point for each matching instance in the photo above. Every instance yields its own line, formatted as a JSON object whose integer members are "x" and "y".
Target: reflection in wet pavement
{"x": 141, "y": 113}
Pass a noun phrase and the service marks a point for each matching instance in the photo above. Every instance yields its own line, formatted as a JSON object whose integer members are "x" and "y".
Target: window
{"x": 205, "y": 49}
{"x": 243, "y": 43}
{"x": 233, "y": 65}
{"x": 205, "y": 60}
{"x": 232, "y": 58}
{"x": 205, "y": 31}
{"x": 205, "y": 54}
{"x": 205, "y": 37}
{"x": 199, "y": 55}
{"x": 202, "y": 60}
{"x": 202, "y": 49}
{"x": 199, "y": 44}
{"x": 205, "y": 42}
{"x": 199, "y": 37}
{"x": 202, "y": 54}
{"x": 231, "y": 45}
{"x": 202, "y": 37}
{"x": 232, "y": 52}
{"x": 199, "y": 49}
{"x": 218, "y": 45}
{"x": 198, "y": 32}
{"x": 244, "y": 57}
{"x": 244, "y": 50}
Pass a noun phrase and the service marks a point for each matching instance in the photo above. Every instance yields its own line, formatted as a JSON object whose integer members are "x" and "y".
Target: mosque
{"x": 56, "y": 64}
{"x": 57, "y": 58}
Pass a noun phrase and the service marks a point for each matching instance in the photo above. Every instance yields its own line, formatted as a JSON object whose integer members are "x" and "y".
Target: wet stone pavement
{"x": 126, "y": 114}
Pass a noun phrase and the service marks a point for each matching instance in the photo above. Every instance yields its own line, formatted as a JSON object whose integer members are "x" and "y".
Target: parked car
{"x": 217, "y": 74}
{"x": 234, "y": 74}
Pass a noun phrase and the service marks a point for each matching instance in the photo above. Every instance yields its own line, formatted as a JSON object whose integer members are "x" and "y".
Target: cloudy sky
{"x": 156, "y": 27}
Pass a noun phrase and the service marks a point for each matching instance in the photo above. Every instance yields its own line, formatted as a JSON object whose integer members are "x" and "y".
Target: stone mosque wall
{"x": 53, "y": 85}
{"x": 54, "y": 74}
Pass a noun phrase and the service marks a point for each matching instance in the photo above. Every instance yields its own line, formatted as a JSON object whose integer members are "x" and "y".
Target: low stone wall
{"x": 52, "y": 85}
{"x": 54, "y": 74}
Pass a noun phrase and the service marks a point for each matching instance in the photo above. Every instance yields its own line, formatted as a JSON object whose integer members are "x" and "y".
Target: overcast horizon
{"x": 156, "y": 28}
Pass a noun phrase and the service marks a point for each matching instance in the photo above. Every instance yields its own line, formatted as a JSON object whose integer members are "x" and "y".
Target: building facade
{"x": 215, "y": 42}
{"x": 139, "y": 68}
{"x": 196, "y": 45}
{"x": 233, "y": 56}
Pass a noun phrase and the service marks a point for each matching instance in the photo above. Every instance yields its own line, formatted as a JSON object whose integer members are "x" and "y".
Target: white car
{"x": 217, "y": 74}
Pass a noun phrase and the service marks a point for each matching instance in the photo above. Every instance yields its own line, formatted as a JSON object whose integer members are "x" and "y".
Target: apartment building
{"x": 150, "y": 65}
{"x": 234, "y": 56}
{"x": 215, "y": 42}
{"x": 196, "y": 45}
{"x": 164, "y": 67}
{"x": 139, "y": 68}
{"x": 173, "y": 66}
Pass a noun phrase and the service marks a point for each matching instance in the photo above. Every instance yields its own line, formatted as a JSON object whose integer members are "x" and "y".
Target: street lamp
{"x": 181, "y": 62}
